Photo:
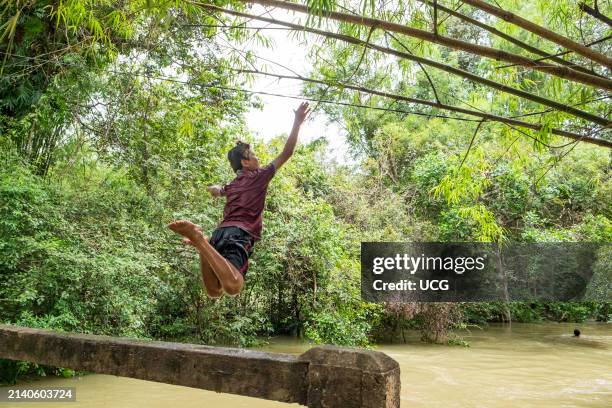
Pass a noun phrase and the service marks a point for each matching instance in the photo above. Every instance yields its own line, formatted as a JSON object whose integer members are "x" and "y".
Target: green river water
{"x": 522, "y": 365}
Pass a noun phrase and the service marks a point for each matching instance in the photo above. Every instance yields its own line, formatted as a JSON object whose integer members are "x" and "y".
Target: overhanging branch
{"x": 595, "y": 13}
{"x": 483, "y": 115}
{"x": 542, "y": 32}
{"x": 511, "y": 39}
{"x": 456, "y": 71}
{"x": 493, "y": 53}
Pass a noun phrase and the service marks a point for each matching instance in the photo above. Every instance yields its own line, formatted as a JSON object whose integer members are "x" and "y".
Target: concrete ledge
{"x": 345, "y": 377}
{"x": 325, "y": 376}
{"x": 278, "y": 377}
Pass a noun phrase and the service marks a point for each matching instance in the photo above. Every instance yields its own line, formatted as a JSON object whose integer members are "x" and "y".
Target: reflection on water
{"x": 526, "y": 365}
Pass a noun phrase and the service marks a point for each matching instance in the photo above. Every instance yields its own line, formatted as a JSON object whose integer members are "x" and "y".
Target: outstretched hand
{"x": 301, "y": 112}
{"x": 215, "y": 190}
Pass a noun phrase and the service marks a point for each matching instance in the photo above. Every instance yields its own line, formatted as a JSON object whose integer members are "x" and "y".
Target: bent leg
{"x": 211, "y": 283}
{"x": 230, "y": 279}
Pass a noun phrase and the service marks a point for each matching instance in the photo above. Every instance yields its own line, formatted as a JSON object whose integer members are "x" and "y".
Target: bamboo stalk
{"x": 542, "y": 32}
{"x": 352, "y": 40}
{"x": 511, "y": 39}
{"x": 595, "y": 13}
{"x": 483, "y": 115}
{"x": 493, "y": 53}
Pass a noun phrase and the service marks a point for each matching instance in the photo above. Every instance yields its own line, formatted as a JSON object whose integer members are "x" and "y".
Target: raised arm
{"x": 300, "y": 115}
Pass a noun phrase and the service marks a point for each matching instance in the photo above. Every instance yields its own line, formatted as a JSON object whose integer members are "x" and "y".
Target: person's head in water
{"x": 576, "y": 333}
{"x": 241, "y": 157}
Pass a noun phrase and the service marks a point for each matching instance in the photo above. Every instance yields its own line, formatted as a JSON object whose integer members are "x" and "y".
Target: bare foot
{"x": 187, "y": 229}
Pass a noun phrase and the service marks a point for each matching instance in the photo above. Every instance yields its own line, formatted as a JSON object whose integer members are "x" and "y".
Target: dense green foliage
{"x": 100, "y": 151}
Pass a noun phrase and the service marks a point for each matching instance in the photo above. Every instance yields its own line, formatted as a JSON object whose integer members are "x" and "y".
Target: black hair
{"x": 237, "y": 153}
{"x": 576, "y": 332}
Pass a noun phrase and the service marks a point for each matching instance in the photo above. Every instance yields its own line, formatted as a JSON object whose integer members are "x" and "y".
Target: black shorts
{"x": 235, "y": 245}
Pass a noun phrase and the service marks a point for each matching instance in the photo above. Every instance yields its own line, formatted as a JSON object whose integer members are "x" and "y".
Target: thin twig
{"x": 433, "y": 88}
{"x": 365, "y": 48}
{"x": 470, "y": 145}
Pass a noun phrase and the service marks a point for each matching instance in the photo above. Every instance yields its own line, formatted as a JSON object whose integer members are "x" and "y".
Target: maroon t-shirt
{"x": 246, "y": 196}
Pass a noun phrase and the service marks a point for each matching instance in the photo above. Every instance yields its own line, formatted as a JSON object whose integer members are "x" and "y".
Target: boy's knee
{"x": 233, "y": 290}
{"x": 214, "y": 294}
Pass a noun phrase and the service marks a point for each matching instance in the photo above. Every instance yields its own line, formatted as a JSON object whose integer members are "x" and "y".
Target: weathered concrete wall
{"x": 277, "y": 377}
{"x": 322, "y": 377}
{"x": 345, "y": 377}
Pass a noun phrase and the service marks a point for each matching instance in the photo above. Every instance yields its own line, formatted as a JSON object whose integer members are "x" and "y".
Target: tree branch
{"x": 542, "y": 32}
{"x": 470, "y": 145}
{"x": 493, "y": 53}
{"x": 512, "y": 40}
{"x": 594, "y": 12}
{"x": 560, "y": 54}
{"x": 435, "y": 17}
{"x": 433, "y": 88}
{"x": 483, "y": 115}
{"x": 476, "y": 78}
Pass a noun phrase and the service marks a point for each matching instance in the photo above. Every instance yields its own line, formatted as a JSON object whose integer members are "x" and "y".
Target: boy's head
{"x": 241, "y": 157}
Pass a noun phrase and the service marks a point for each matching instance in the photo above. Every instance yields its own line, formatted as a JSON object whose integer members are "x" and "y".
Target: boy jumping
{"x": 224, "y": 259}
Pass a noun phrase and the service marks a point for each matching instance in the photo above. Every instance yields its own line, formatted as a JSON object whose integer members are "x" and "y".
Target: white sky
{"x": 277, "y": 115}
